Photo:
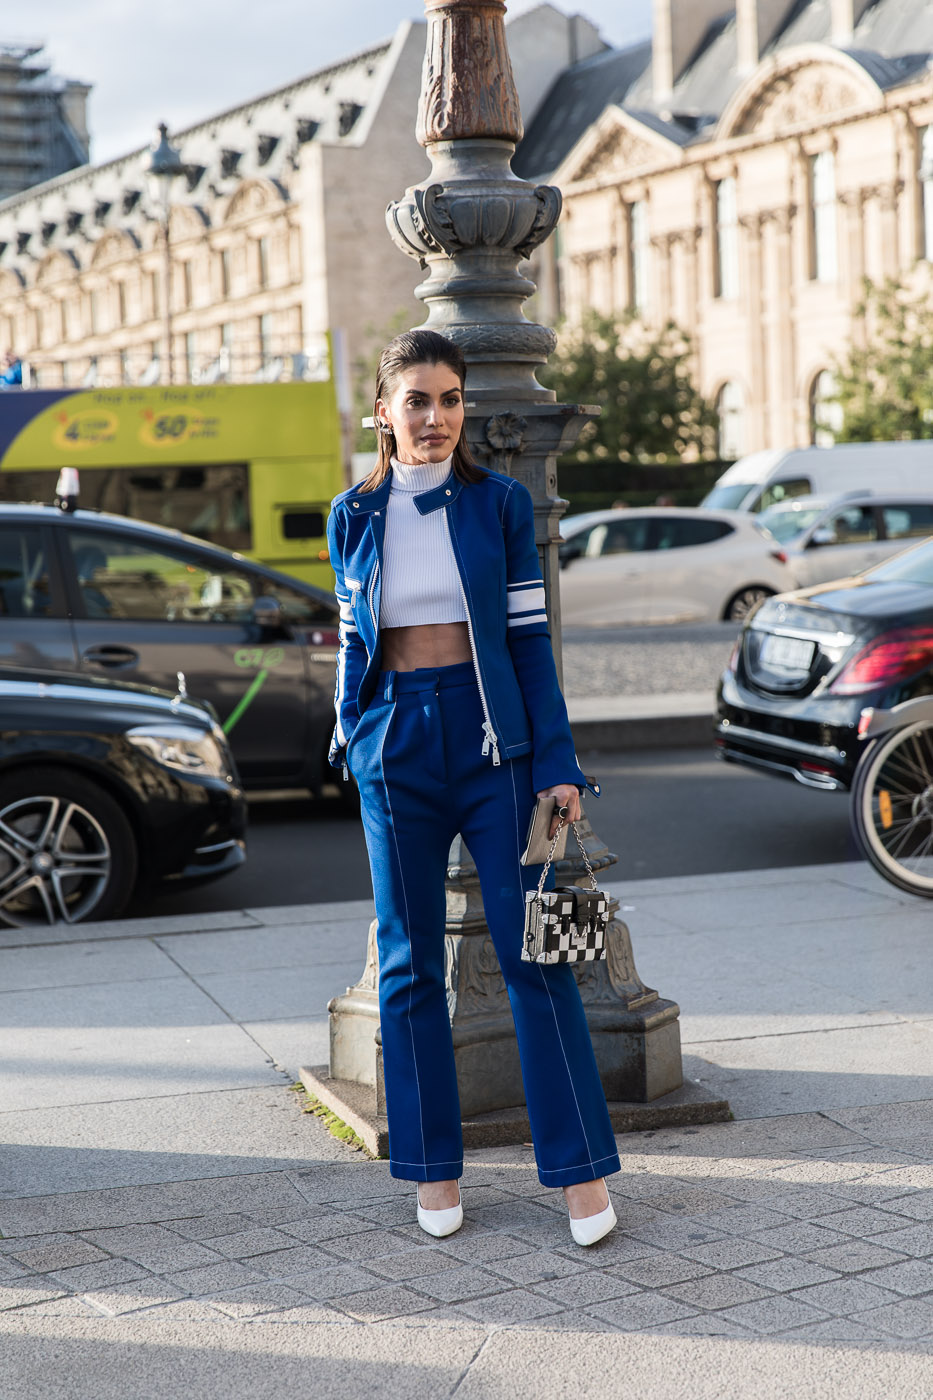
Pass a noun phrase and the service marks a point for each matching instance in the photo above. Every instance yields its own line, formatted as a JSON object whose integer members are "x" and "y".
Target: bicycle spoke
{"x": 915, "y": 744}
{"x": 912, "y": 776}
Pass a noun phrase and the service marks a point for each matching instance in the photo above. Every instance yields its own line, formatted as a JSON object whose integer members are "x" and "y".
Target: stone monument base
{"x": 356, "y": 1105}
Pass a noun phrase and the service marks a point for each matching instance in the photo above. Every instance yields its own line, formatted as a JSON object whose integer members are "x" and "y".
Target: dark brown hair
{"x": 418, "y": 347}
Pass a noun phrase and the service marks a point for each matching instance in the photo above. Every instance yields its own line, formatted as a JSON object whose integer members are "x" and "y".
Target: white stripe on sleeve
{"x": 527, "y": 599}
{"x": 524, "y": 621}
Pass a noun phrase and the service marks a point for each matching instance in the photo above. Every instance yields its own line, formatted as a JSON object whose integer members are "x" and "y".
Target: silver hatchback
{"x": 824, "y": 539}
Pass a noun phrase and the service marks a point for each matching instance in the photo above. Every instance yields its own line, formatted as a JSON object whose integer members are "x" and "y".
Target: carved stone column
{"x": 470, "y": 224}
{"x": 756, "y": 370}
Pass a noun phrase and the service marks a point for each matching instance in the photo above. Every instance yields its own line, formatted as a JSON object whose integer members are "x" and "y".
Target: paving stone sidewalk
{"x": 171, "y": 1223}
{"x": 806, "y": 1227}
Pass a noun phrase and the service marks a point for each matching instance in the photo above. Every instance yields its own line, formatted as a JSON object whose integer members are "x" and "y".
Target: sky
{"x": 180, "y": 61}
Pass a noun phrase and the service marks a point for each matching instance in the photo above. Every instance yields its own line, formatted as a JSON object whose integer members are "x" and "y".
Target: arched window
{"x": 825, "y": 413}
{"x": 731, "y": 408}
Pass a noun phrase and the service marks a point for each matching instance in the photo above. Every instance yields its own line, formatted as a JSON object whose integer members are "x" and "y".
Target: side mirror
{"x": 824, "y": 535}
{"x": 267, "y": 611}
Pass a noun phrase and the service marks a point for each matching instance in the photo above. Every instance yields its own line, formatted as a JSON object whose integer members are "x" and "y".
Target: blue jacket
{"x": 492, "y": 532}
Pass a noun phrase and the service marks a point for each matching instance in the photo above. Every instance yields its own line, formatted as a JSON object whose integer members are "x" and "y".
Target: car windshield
{"x": 784, "y": 521}
{"x": 913, "y": 566}
{"x": 728, "y": 497}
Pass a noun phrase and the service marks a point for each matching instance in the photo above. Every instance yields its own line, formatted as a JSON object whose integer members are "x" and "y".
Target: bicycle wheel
{"x": 892, "y": 807}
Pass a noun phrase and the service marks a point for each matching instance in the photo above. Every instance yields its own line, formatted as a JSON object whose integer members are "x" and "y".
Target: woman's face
{"x": 425, "y": 411}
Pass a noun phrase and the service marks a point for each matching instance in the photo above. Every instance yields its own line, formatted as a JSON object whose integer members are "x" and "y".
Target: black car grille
{"x": 779, "y": 726}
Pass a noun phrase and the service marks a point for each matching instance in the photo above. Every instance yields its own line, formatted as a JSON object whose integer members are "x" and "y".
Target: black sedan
{"x": 807, "y": 664}
{"x": 86, "y": 592}
{"x": 106, "y": 791}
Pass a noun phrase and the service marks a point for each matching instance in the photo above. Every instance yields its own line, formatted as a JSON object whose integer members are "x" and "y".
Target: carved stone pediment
{"x": 253, "y": 197}
{"x": 114, "y": 247}
{"x": 12, "y": 282}
{"x": 800, "y": 97}
{"x": 56, "y": 267}
{"x": 618, "y": 152}
{"x": 188, "y": 221}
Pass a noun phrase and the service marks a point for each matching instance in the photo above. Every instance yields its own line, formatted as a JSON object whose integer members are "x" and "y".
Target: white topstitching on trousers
{"x": 411, "y": 960}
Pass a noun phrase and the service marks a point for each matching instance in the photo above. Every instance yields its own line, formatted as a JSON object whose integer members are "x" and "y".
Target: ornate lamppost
{"x": 470, "y": 225}
{"x": 163, "y": 166}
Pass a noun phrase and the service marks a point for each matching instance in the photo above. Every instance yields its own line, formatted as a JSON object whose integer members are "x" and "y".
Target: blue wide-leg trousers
{"x": 417, "y": 758}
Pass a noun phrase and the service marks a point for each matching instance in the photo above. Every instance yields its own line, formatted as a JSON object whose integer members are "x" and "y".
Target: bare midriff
{"x": 431, "y": 644}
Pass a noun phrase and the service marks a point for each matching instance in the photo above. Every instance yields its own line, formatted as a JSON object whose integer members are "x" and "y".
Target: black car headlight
{"x": 182, "y": 747}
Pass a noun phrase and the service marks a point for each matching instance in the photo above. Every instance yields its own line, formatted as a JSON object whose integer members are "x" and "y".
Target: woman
{"x": 451, "y": 719}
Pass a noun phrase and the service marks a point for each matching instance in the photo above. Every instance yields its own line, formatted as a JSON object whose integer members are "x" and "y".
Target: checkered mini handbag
{"x": 568, "y": 924}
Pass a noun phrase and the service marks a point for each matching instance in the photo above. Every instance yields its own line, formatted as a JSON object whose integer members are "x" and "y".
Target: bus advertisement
{"x": 252, "y": 467}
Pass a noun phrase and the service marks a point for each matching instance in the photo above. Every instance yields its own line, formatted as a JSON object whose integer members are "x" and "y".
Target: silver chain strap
{"x": 550, "y": 855}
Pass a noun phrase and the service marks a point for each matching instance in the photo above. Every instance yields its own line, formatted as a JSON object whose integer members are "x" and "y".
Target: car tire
{"x": 741, "y": 604}
{"x": 892, "y": 807}
{"x": 67, "y": 850}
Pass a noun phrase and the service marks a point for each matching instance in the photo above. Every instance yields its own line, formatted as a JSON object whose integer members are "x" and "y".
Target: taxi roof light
{"x": 66, "y": 489}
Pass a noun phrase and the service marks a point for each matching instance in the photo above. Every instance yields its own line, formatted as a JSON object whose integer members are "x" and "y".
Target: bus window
{"x": 302, "y": 524}
{"x": 210, "y": 502}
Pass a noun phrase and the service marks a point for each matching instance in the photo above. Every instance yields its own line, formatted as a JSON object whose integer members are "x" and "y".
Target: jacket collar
{"x": 366, "y": 502}
{"x": 442, "y": 495}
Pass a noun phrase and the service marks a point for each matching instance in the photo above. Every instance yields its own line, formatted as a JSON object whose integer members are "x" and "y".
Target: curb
{"x": 643, "y": 722}
{"x": 355, "y": 1105}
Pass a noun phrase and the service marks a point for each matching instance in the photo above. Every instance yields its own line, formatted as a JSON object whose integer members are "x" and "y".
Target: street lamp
{"x": 164, "y": 165}
{"x": 470, "y": 224}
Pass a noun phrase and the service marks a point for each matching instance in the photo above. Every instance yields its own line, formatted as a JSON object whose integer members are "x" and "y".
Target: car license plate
{"x": 787, "y": 653}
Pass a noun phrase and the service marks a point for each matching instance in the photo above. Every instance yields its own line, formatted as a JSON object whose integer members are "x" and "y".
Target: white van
{"x": 762, "y": 478}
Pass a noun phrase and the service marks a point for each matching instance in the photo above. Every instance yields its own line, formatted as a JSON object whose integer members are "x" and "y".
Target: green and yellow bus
{"x": 252, "y": 467}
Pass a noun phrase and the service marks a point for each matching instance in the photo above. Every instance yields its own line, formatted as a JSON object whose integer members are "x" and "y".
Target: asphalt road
{"x": 665, "y": 812}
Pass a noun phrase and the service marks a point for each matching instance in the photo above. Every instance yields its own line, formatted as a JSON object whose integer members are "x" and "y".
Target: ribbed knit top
{"x": 420, "y": 580}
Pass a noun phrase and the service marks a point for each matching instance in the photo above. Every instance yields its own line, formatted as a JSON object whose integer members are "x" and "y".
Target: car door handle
{"x": 113, "y": 657}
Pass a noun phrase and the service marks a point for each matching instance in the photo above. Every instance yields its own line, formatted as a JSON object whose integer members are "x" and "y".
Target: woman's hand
{"x": 568, "y": 796}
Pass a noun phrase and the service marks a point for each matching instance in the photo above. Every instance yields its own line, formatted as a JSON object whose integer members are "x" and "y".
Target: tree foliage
{"x": 884, "y": 384}
{"x": 365, "y": 365}
{"x": 651, "y": 409}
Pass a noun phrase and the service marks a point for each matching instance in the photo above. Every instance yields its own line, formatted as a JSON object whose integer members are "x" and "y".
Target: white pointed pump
{"x": 593, "y": 1227}
{"x": 440, "y": 1222}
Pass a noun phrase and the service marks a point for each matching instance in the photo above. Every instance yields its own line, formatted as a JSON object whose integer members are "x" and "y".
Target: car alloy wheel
{"x": 55, "y": 862}
{"x": 744, "y": 601}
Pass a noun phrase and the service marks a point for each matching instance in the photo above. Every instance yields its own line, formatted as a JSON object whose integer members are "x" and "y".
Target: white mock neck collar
{"x": 412, "y": 479}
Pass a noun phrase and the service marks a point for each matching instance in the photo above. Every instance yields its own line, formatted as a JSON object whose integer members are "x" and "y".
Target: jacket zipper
{"x": 369, "y": 600}
{"x": 489, "y": 734}
{"x": 355, "y": 587}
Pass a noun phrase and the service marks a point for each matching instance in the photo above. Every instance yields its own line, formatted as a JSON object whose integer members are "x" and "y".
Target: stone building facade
{"x": 742, "y": 180}
{"x": 277, "y": 228}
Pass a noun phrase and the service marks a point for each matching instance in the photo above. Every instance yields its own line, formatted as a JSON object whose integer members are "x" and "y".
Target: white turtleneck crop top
{"x": 420, "y": 580}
